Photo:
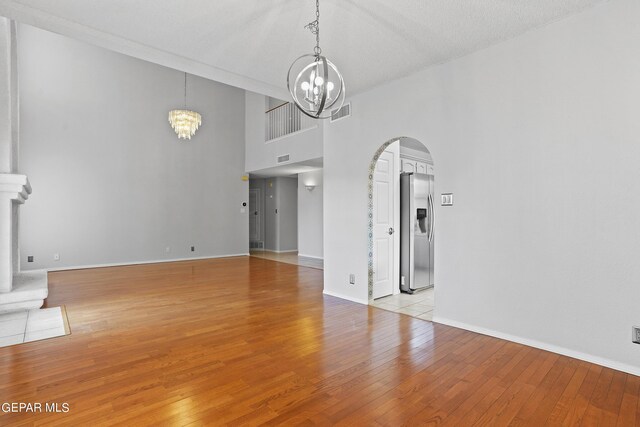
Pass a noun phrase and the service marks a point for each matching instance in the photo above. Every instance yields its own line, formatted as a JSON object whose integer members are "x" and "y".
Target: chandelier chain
{"x": 314, "y": 27}
{"x": 185, "y": 90}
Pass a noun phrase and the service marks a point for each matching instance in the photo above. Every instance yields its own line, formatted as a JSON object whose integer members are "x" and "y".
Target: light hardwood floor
{"x": 289, "y": 258}
{"x": 244, "y": 341}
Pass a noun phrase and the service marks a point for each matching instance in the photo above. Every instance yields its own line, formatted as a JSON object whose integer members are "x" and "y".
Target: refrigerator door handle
{"x": 433, "y": 218}
{"x": 431, "y": 211}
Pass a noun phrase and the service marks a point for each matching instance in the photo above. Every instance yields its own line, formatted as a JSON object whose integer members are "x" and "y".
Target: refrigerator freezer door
{"x": 416, "y": 232}
{"x": 406, "y": 233}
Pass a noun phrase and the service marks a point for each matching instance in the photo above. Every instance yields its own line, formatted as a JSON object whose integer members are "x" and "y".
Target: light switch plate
{"x": 446, "y": 199}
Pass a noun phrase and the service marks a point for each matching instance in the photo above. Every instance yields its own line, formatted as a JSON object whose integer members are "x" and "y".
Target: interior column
{"x": 18, "y": 290}
{"x": 8, "y": 154}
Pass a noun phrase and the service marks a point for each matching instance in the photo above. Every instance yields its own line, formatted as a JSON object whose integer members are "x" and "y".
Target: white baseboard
{"x": 337, "y": 295}
{"x": 623, "y": 367}
{"x": 274, "y": 251}
{"x": 311, "y": 256}
{"x": 123, "y": 264}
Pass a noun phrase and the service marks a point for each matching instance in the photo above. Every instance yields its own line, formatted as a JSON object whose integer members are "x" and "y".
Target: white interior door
{"x": 384, "y": 222}
{"x": 254, "y": 214}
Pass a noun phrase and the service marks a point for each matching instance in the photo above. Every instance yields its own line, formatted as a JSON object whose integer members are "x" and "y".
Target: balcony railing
{"x": 284, "y": 120}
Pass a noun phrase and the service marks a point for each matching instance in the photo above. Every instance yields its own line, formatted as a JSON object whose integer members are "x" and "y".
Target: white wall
{"x": 302, "y": 146}
{"x": 538, "y": 140}
{"x": 310, "y": 214}
{"x": 112, "y": 183}
{"x": 272, "y": 102}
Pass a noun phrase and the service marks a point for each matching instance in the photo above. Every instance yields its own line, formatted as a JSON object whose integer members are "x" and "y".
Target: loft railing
{"x": 284, "y": 120}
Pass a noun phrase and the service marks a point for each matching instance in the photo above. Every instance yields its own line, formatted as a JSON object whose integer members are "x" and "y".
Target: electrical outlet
{"x": 636, "y": 335}
{"x": 193, "y": 248}
{"x": 56, "y": 257}
{"x": 30, "y": 258}
{"x": 352, "y": 279}
{"x": 402, "y": 280}
{"x": 167, "y": 249}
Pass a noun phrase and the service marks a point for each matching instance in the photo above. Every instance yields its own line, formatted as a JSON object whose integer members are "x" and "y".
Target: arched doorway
{"x": 397, "y": 235}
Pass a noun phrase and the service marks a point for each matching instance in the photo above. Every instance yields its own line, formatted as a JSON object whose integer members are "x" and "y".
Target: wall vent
{"x": 343, "y": 112}
{"x": 636, "y": 335}
{"x": 283, "y": 158}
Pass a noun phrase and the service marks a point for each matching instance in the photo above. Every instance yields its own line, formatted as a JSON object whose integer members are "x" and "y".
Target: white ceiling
{"x": 251, "y": 43}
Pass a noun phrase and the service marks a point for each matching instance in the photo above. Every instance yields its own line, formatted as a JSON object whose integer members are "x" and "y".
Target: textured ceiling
{"x": 371, "y": 41}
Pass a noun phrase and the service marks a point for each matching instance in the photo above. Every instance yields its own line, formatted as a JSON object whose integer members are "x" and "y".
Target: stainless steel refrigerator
{"x": 416, "y": 232}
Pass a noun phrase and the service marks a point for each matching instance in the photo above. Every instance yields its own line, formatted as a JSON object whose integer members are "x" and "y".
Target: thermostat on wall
{"x": 446, "y": 199}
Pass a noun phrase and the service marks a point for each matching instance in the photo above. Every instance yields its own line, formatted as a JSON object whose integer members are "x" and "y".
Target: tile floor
{"x": 31, "y": 325}
{"x": 289, "y": 258}
{"x": 418, "y": 305}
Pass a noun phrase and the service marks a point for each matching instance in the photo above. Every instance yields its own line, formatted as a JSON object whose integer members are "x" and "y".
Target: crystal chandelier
{"x": 315, "y": 84}
{"x": 185, "y": 122}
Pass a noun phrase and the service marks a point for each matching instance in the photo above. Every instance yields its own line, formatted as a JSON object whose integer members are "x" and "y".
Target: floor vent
{"x": 283, "y": 158}
{"x": 256, "y": 245}
{"x": 342, "y": 113}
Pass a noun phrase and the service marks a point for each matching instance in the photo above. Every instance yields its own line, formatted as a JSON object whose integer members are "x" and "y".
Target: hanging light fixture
{"x": 185, "y": 122}
{"x": 315, "y": 84}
